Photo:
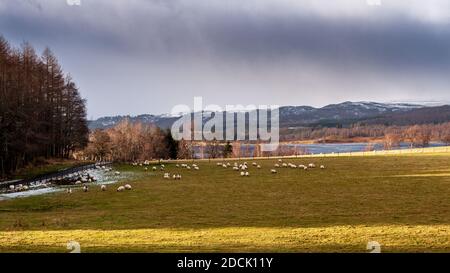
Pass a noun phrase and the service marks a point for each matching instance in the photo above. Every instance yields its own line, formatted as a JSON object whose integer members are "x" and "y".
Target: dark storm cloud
{"x": 240, "y": 48}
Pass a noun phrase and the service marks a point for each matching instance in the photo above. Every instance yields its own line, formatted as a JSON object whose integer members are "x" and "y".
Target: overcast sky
{"x": 145, "y": 56}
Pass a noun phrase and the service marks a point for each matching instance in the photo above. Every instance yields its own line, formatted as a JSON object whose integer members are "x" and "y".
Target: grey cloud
{"x": 230, "y": 52}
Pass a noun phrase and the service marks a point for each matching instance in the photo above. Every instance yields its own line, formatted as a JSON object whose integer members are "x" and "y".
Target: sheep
{"x": 284, "y": 165}
{"x": 224, "y": 165}
{"x": 69, "y": 191}
{"x": 311, "y": 165}
{"x": 279, "y": 160}
{"x": 121, "y": 188}
{"x": 178, "y": 165}
{"x": 258, "y": 167}
{"x": 154, "y": 168}
{"x": 236, "y": 168}
{"x": 196, "y": 168}
{"x": 103, "y": 187}
{"x": 276, "y": 165}
{"x": 166, "y": 176}
{"x": 174, "y": 177}
{"x": 273, "y": 171}
{"x": 242, "y": 173}
{"x": 117, "y": 173}
{"x": 247, "y": 174}
{"x": 145, "y": 169}
{"x": 219, "y": 164}
{"x": 25, "y": 188}
{"x": 254, "y": 164}
{"x": 78, "y": 182}
{"x": 188, "y": 167}
{"x": 128, "y": 187}
{"x": 305, "y": 168}
{"x": 85, "y": 188}
{"x": 194, "y": 165}
{"x": 162, "y": 166}
{"x": 322, "y": 167}
{"x": 228, "y": 164}
{"x": 11, "y": 187}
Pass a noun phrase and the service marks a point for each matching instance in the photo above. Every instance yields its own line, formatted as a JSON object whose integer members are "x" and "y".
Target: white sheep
{"x": 178, "y": 165}
{"x": 11, "y": 187}
{"x": 146, "y": 169}
{"x": 247, "y": 174}
{"x": 69, "y": 190}
{"x": 219, "y": 164}
{"x": 254, "y": 164}
{"x": 128, "y": 187}
{"x": 242, "y": 173}
{"x": 117, "y": 173}
{"x": 277, "y": 165}
{"x": 236, "y": 168}
{"x": 311, "y": 165}
{"x": 121, "y": 188}
{"x": 166, "y": 176}
{"x": 273, "y": 171}
{"x": 258, "y": 167}
{"x": 196, "y": 168}
{"x": 188, "y": 167}
{"x": 103, "y": 187}
{"x": 322, "y": 167}
{"x": 85, "y": 188}
{"x": 284, "y": 165}
{"x": 279, "y": 160}
{"x": 178, "y": 176}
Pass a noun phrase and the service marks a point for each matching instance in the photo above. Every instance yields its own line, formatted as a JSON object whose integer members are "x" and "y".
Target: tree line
{"x": 42, "y": 114}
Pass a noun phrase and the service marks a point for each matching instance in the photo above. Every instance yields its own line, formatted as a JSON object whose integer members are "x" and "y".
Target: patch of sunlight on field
{"x": 423, "y": 175}
{"x": 393, "y": 238}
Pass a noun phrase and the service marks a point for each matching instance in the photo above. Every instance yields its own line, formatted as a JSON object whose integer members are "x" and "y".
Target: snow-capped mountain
{"x": 294, "y": 116}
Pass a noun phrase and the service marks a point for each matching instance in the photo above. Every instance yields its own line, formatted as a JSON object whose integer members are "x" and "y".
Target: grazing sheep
{"x": 194, "y": 165}
{"x": 242, "y": 173}
{"x": 174, "y": 177}
{"x": 178, "y": 165}
{"x": 247, "y": 174}
{"x": 254, "y": 164}
{"x": 196, "y": 168}
{"x": 224, "y": 165}
{"x": 273, "y": 171}
{"x": 103, "y": 187}
{"x": 121, "y": 188}
{"x": 145, "y": 169}
{"x": 162, "y": 166}
{"x": 228, "y": 164}
{"x": 11, "y": 187}
{"x": 69, "y": 190}
{"x": 219, "y": 164}
{"x": 258, "y": 167}
{"x": 279, "y": 160}
{"x": 154, "y": 168}
{"x": 117, "y": 173}
{"x": 311, "y": 165}
{"x": 305, "y": 168}
{"x": 322, "y": 167}
{"x": 285, "y": 165}
{"x": 166, "y": 175}
{"x": 188, "y": 167}
{"x": 236, "y": 168}
{"x": 128, "y": 187}
{"x": 277, "y": 165}
{"x": 78, "y": 182}
{"x": 85, "y": 188}
{"x": 178, "y": 176}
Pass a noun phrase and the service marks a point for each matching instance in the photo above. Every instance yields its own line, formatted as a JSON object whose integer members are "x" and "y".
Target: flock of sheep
{"x": 244, "y": 167}
{"x": 241, "y": 168}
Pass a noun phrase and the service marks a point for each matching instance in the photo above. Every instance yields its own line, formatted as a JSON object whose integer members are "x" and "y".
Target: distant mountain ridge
{"x": 345, "y": 113}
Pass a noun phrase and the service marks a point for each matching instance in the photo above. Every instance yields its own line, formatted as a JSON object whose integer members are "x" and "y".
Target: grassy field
{"x": 400, "y": 201}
